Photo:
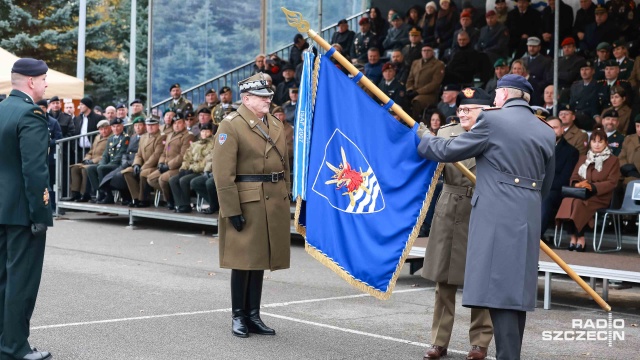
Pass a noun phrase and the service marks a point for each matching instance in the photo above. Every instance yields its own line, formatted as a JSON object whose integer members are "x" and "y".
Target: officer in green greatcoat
{"x": 25, "y": 212}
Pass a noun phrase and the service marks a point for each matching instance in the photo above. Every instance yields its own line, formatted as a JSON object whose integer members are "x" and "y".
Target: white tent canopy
{"x": 62, "y": 85}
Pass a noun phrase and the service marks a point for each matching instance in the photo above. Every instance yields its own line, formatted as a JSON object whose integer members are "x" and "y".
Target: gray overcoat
{"x": 513, "y": 150}
{"x": 447, "y": 247}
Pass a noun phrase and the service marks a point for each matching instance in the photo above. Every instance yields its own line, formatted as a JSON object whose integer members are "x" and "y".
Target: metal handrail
{"x": 195, "y": 94}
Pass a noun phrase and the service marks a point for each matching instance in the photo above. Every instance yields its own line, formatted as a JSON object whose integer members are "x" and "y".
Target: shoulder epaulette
{"x": 543, "y": 120}
{"x": 232, "y": 115}
{"x": 491, "y": 108}
{"x": 448, "y": 125}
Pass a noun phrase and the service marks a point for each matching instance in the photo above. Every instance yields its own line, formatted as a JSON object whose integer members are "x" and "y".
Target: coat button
{"x": 517, "y": 181}
{"x": 266, "y": 157}
{"x": 267, "y": 197}
{"x": 533, "y": 185}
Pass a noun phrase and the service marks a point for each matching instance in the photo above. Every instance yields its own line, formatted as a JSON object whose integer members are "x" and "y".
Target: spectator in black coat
{"x": 523, "y": 22}
{"x": 343, "y": 36}
{"x": 445, "y": 25}
{"x": 585, "y": 16}
{"x": 540, "y": 68}
{"x": 548, "y": 20}
{"x": 428, "y": 22}
{"x": 602, "y": 30}
{"x": 379, "y": 24}
{"x": 295, "y": 54}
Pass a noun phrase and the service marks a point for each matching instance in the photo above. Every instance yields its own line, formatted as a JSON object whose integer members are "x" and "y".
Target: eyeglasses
{"x": 465, "y": 110}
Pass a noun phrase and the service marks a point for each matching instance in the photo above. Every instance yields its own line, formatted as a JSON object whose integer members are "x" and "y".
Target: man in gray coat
{"x": 514, "y": 153}
{"x": 444, "y": 261}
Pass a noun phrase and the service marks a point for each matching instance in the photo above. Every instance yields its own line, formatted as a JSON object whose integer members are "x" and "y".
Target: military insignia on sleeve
{"x": 468, "y": 93}
{"x": 222, "y": 138}
{"x": 45, "y": 197}
{"x": 37, "y": 112}
{"x": 126, "y": 142}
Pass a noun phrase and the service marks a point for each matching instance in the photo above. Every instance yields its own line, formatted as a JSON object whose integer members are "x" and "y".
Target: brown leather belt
{"x": 273, "y": 177}
{"x": 459, "y": 190}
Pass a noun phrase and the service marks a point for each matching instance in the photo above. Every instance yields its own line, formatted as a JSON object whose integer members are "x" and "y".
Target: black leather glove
{"x": 238, "y": 222}
{"x": 208, "y": 174}
{"x": 38, "y": 229}
{"x": 626, "y": 169}
{"x": 410, "y": 94}
{"x": 136, "y": 169}
{"x": 163, "y": 168}
{"x": 88, "y": 162}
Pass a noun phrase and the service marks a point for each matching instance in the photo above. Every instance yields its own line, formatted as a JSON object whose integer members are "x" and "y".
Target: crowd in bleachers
{"x": 421, "y": 59}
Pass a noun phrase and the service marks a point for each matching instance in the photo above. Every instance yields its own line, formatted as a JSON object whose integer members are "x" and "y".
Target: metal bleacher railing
{"x": 196, "y": 94}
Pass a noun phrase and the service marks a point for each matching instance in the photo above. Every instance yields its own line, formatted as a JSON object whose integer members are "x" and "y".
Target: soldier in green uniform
{"x": 25, "y": 212}
{"x": 210, "y": 100}
{"x": 177, "y": 100}
{"x": 614, "y": 137}
{"x": 621, "y": 57}
{"x": 193, "y": 165}
{"x": 225, "y": 107}
{"x": 116, "y": 147}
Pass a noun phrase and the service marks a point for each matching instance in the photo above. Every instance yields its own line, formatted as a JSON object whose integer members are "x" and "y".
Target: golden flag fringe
{"x": 295, "y": 19}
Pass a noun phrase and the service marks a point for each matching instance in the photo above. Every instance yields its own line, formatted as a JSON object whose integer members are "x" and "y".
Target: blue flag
{"x": 368, "y": 190}
{"x": 302, "y": 132}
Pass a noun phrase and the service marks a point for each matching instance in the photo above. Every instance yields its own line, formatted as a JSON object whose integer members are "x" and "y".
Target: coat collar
{"x": 26, "y": 97}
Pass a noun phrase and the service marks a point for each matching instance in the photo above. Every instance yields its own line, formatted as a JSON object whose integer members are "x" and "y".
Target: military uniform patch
{"x": 37, "y": 112}
{"x": 468, "y": 93}
{"x": 222, "y": 138}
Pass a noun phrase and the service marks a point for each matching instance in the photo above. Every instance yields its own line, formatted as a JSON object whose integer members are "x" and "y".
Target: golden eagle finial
{"x": 295, "y": 19}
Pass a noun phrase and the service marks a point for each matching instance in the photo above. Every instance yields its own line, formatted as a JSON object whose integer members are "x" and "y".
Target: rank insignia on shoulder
{"x": 448, "y": 125}
{"x": 222, "y": 138}
{"x": 491, "y": 108}
{"x": 37, "y": 112}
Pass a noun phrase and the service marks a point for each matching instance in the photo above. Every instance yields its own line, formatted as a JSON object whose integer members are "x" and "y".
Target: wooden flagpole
{"x": 295, "y": 19}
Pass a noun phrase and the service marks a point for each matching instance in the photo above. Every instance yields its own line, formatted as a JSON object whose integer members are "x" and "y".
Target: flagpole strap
{"x": 357, "y": 77}
{"x": 330, "y": 52}
{"x": 388, "y": 105}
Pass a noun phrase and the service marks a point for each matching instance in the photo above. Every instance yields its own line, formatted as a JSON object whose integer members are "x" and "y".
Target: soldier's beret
{"x": 98, "y": 108}
{"x": 176, "y": 85}
{"x": 288, "y": 67}
{"x": 210, "y": 91}
{"x": 277, "y": 109}
{"x": 204, "y": 110}
{"x": 135, "y": 101}
{"x": 167, "y": 111}
{"x": 500, "y": 62}
{"x": 29, "y": 67}
{"x": 42, "y": 102}
{"x": 178, "y": 116}
{"x": 490, "y": 12}
{"x": 207, "y": 126}
{"x": 610, "y": 113}
{"x": 138, "y": 119}
{"x": 54, "y": 98}
{"x": 533, "y": 41}
{"x": 619, "y": 43}
{"x": 117, "y": 121}
{"x": 395, "y": 17}
{"x": 499, "y": 1}
{"x": 451, "y": 87}
{"x": 255, "y": 85}
{"x": 515, "y": 82}
{"x": 540, "y": 112}
{"x": 603, "y": 46}
{"x": 388, "y": 66}
{"x": 190, "y": 112}
{"x": 415, "y": 31}
{"x": 587, "y": 63}
{"x": 473, "y": 95}
{"x": 465, "y": 13}
{"x": 566, "y": 107}
{"x": 103, "y": 123}
{"x": 611, "y": 62}
{"x": 568, "y": 41}
{"x": 121, "y": 106}
{"x": 600, "y": 9}
{"x": 452, "y": 119}
{"x": 293, "y": 90}
{"x": 363, "y": 21}
{"x": 152, "y": 121}
{"x": 342, "y": 21}
{"x": 225, "y": 89}
{"x": 87, "y": 101}
{"x": 637, "y": 119}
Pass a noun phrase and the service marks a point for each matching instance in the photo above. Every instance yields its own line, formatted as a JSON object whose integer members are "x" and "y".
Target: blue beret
{"x": 30, "y": 67}
{"x": 515, "y": 82}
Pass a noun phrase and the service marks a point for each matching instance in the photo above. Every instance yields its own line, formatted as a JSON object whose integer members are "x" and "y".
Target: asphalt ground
{"x": 157, "y": 292}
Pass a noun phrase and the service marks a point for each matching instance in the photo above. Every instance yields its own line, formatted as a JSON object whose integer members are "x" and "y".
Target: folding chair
{"x": 629, "y": 207}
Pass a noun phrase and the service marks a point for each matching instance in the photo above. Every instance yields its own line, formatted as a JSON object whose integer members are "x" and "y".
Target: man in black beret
{"x": 224, "y": 107}
{"x": 611, "y": 78}
{"x": 177, "y": 100}
{"x": 282, "y": 90}
{"x": 137, "y": 109}
{"x": 447, "y": 104}
{"x": 210, "y": 100}
{"x": 65, "y": 120}
{"x": 583, "y": 96}
{"x": 25, "y": 212}
{"x": 614, "y": 137}
{"x": 85, "y": 122}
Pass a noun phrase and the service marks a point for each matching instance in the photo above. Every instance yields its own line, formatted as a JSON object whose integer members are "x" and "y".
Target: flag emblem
{"x": 346, "y": 179}
{"x": 222, "y": 138}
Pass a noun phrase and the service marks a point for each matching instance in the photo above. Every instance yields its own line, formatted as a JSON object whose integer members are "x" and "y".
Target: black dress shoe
{"x": 207, "y": 211}
{"x": 142, "y": 204}
{"x": 183, "y": 209}
{"x": 571, "y": 247}
{"x": 171, "y": 206}
{"x": 107, "y": 200}
{"x": 580, "y": 248}
{"x": 133, "y": 203}
{"x": 37, "y": 355}
{"x": 238, "y": 324}
{"x": 125, "y": 202}
{"x": 83, "y": 199}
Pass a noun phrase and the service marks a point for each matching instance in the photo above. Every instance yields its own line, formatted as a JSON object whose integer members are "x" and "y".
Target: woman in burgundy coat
{"x": 598, "y": 172}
